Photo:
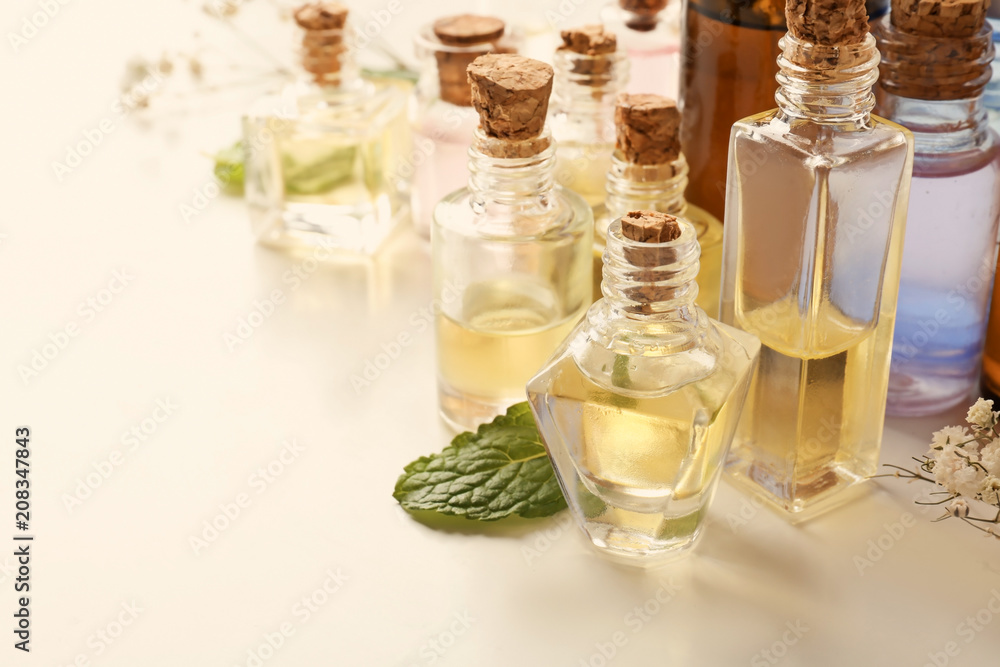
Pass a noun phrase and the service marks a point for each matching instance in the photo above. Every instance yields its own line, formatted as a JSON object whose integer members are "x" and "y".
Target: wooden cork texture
{"x": 468, "y": 29}
{"x": 939, "y": 18}
{"x": 647, "y": 128}
{"x": 827, "y": 22}
{"x": 919, "y": 64}
{"x": 652, "y": 228}
{"x": 589, "y": 40}
{"x": 643, "y": 6}
{"x": 511, "y": 94}
{"x": 321, "y": 16}
{"x": 323, "y": 38}
{"x": 464, "y": 31}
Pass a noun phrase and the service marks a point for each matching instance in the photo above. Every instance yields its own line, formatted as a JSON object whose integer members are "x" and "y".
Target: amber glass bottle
{"x": 729, "y": 53}
{"x": 990, "y": 383}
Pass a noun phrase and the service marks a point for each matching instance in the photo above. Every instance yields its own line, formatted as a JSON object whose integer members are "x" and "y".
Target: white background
{"x": 525, "y": 594}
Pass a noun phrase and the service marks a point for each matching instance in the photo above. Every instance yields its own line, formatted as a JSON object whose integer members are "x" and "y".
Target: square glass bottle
{"x": 815, "y": 211}
{"x": 323, "y": 155}
{"x": 638, "y": 406}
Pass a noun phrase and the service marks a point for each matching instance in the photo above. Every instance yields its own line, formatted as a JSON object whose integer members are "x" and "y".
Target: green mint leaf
{"x": 229, "y": 168}
{"x": 501, "y": 470}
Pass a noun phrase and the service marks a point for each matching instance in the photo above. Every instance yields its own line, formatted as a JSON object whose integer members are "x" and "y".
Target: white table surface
{"x": 408, "y": 594}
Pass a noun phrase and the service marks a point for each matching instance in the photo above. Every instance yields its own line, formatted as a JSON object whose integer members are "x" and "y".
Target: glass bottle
{"x": 989, "y": 382}
{"x": 441, "y": 114}
{"x": 729, "y": 50}
{"x": 590, "y": 71}
{"x": 811, "y": 258}
{"x": 649, "y": 31}
{"x": 655, "y": 179}
{"x": 511, "y": 253}
{"x": 933, "y": 86}
{"x": 991, "y": 96}
{"x": 324, "y": 155}
{"x": 638, "y": 406}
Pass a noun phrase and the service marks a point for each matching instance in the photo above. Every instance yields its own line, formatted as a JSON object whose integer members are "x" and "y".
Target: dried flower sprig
{"x": 965, "y": 463}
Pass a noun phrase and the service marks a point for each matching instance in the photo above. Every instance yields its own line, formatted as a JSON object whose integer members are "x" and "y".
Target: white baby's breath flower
{"x": 990, "y": 457}
{"x": 946, "y": 464}
{"x": 949, "y": 435}
{"x": 991, "y": 490}
{"x": 959, "y": 507}
{"x": 981, "y": 414}
{"x": 968, "y": 481}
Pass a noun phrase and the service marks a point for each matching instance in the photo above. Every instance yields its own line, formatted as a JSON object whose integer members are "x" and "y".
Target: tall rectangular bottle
{"x": 816, "y": 204}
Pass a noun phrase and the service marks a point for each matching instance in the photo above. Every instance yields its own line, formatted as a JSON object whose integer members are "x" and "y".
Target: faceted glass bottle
{"x": 649, "y": 31}
{"x": 811, "y": 259}
{"x": 442, "y": 118}
{"x": 660, "y": 187}
{"x": 512, "y": 276}
{"x": 323, "y": 157}
{"x": 934, "y": 88}
{"x": 581, "y": 117}
{"x": 728, "y": 53}
{"x": 638, "y": 406}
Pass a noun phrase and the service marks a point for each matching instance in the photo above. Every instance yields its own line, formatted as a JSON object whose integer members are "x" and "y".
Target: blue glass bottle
{"x": 934, "y": 87}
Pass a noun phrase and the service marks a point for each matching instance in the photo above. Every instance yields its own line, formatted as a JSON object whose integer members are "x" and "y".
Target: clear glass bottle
{"x": 649, "y": 31}
{"x": 659, "y": 187}
{"x": 991, "y": 96}
{"x": 933, "y": 86}
{"x": 581, "y": 115}
{"x": 323, "y": 160}
{"x": 512, "y": 269}
{"x": 638, "y": 406}
{"x": 816, "y": 211}
{"x": 441, "y": 114}
{"x": 729, "y": 50}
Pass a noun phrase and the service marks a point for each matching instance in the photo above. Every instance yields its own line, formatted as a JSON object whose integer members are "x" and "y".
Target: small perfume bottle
{"x": 638, "y": 406}
{"x": 728, "y": 66}
{"x": 811, "y": 257}
{"x": 650, "y": 32}
{"x": 590, "y": 71}
{"x": 511, "y": 252}
{"x": 935, "y": 65}
{"x": 991, "y": 96}
{"x": 441, "y": 113}
{"x": 648, "y": 171}
{"x": 323, "y": 156}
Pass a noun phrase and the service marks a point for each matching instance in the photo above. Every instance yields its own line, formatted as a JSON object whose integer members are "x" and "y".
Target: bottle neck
{"x": 512, "y": 174}
{"x": 585, "y": 87}
{"x": 939, "y": 126}
{"x": 934, "y": 68}
{"x": 827, "y": 84}
{"x": 652, "y": 282}
{"x": 328, "y": 58}
{"x": 657, "y": 187}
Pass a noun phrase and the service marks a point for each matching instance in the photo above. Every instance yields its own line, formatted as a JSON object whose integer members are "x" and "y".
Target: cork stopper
{"x": 463, "y": 33}
{"x": 321, "y": 16}
{"x": 643, "y": 13}
{"x": 323, "y": 40}
{"x": 647, "y": 128}
{"x": 589, "y": 40}
{"x": 939, "y": 18}
{"x": 827, "y": 22}
{"x": 468, "y": 29}
{"x": 652, "y": 228}
{"x": 511, "y": 94}
{"x": 643, "y": 6}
